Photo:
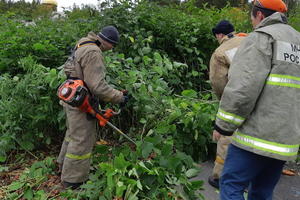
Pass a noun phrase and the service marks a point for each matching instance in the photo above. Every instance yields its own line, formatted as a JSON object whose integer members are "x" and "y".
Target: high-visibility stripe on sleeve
{"x": 67, "y": 139}
{"x": 230, "y": 117}
{"x": 77, "y": 157}
{"x": 219, "y": 160}
{"x": 264, "y": 145}
{"x": 284, "y": 80}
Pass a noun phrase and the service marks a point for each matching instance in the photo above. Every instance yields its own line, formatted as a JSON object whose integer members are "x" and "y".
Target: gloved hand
{"x": 124, "y": 101}
{"x": 125, "y": 92}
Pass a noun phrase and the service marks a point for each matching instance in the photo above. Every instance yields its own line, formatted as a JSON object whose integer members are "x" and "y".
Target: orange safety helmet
{"x": 276, "y": 5}
{"x": 242, "y": 34}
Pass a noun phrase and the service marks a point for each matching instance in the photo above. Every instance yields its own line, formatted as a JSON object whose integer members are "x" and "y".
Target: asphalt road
{"x": 288, "y": 187}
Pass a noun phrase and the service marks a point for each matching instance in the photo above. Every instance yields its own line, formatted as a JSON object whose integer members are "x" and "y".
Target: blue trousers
{"x": 244, "y": 169}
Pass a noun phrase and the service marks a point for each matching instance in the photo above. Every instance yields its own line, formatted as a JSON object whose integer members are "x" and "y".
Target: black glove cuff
{"x": 221, "y": 131}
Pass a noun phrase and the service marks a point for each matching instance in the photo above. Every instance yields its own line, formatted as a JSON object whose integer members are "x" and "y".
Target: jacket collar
{"x": 226, "y": 38}
{"x": 92, "y": 36}
{"x": 272, "y": 19}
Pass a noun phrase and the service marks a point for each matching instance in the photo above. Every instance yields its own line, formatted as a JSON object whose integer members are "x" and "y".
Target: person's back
{"x": 260, "y": 105}
{"x": 219, "y": 65}
{"x": 220, "y": 62}
{"x": 279, "y": 99}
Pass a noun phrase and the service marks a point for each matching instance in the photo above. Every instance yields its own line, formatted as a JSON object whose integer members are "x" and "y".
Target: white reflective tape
{"x": 230, "y": 53}
{"x": 230, "y": 117}
{"x": 287, "y": 52}
{"x": 283, "y": 80}
{"x": 276, "y": 148}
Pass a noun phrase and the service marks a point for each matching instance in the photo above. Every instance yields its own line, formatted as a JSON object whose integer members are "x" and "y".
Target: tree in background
{"x": 166, "y": 2}
{"x": 292, "y": 5}
{"x": 21, "y": 7}
{"x": 221, "y": 3}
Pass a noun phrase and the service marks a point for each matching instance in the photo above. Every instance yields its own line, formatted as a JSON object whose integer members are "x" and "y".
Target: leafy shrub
{"x": 161, "y": 60}
{"x": 153, "y": 171}
{"x": 155, "y": 107}
{"x": 27, "y": 186}
{"x": 28, "y": 111}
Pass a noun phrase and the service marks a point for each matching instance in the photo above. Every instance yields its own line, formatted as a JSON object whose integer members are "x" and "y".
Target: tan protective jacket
{"x": 261, "y": 101}
{"x": 87, "y": 64}
{"x": 220, "y": 62}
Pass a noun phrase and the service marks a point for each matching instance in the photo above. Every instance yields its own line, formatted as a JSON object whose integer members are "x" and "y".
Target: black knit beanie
{"x": 224, "y": 27}
{"x": 110, "y": 34}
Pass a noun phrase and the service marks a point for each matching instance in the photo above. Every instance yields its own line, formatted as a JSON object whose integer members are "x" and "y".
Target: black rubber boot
{"x": 213, "y": 182}
{"x": 73, "y": 186}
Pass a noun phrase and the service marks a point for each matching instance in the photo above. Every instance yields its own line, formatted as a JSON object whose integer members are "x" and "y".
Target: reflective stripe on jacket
{"x": 261, "y": 102}
{"x": 220, "y": 62}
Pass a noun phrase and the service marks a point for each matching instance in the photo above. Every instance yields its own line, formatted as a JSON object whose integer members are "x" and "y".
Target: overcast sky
{"x": 68, "y": 3}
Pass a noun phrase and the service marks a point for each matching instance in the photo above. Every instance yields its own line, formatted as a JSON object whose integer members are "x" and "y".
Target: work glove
{"x": 124, "y": 99}
{"x": 125, "y": 92}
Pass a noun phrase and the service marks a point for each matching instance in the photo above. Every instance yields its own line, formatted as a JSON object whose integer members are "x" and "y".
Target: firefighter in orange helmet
{"x": 260, "y": 106}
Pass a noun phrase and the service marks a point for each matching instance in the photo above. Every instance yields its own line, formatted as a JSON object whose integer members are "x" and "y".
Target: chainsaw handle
{"x": 118, "y": 112}
{"x": 105, "y": 115}
{"x": 113, "y": 112}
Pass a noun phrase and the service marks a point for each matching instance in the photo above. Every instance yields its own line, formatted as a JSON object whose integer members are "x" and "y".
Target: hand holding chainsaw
{"x": 74, "y": 93}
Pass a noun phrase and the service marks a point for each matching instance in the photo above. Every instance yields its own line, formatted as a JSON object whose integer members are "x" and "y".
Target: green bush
{"x": 161, "y": 60}
{"x": 29, "y": 111}
{"x": 155, "y": 107}
{"x": 153, "y": 171}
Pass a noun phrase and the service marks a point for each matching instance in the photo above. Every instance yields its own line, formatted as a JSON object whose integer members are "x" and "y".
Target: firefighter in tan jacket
{"x": 86, "y": 63}
{"x": 219, "y": 65}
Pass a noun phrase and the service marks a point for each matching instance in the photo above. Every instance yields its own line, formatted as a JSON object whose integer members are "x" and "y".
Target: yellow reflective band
{"x": 219, "y": 160}
{"x": 67, "y": 139}
{"x": 264, "y": 145}
{"x": 229, "y": 117}
{"x": 78, "y": 46}
{"x": 76, "y": 157}
{"x": 284, "y": 80}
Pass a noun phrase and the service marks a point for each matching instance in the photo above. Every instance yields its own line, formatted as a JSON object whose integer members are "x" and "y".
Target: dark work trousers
{"x": 243, "y": 168}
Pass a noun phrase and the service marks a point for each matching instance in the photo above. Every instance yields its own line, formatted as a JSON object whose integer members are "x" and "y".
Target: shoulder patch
{"x": 230, "y": 53}
{"x": 287, "y": 52}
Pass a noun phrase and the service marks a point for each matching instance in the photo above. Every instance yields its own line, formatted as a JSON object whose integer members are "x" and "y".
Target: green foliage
{"x": 49, "y": 42}
{"x": 294, "y": 19}
{"x": 220, "y": 3}
{"x": 28, "y": 109}
{"x": 187, "y": 39}
{"x": 161, "y": 60}
{"x": 27, "y": 186}
{"x": 21, "y": 7}
{"x": 155, "y": 107}
{"x": 189, "y": 121}
{"x": 153, "y": 171}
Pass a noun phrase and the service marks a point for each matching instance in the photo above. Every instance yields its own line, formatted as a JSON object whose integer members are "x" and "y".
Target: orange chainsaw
{"x": 76, "y": 94}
